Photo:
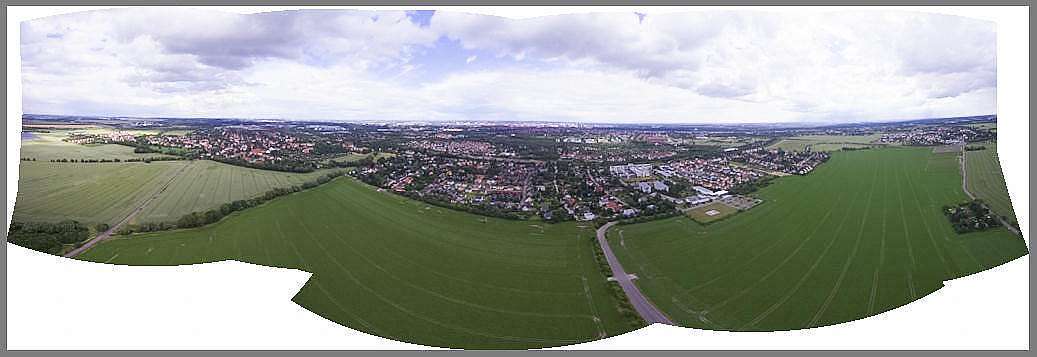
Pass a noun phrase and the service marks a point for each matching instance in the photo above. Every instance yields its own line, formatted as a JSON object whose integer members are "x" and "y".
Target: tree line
{"x": 201, "y": 218}
{"x": 136, "y": 159}
{"x": 49, "y": 237}
{"x": 283, "y": 166}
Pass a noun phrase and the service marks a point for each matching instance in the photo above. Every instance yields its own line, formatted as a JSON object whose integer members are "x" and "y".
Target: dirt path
{"x": 964, "y": 187}
{"x": 644, "y": 307}
{"x": 106, "y": 234}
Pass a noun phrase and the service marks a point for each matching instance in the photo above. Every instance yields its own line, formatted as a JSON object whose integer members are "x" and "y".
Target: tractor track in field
{"x": 108, "y": 233}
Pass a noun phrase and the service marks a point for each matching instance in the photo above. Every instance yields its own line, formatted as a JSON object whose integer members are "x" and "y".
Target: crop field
{"x": 205, "y": 184}
{"x": 711, "y": 212}
{"x": 824, "y": 142}
{"x": 89, "y": 193}
{"x": 862, "y": 234}
{"x": 401, "y": 269}
{"x": 986, "y": 181}
{"x": 107, "y": 192}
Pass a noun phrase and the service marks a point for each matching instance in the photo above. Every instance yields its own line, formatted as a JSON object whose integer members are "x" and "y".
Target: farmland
{"x": 860, "y": 235}
{"x": 824, "y": 142}
{"x": 402, "y": 269}
{"x": 89, "y": 193}
{"x": 207, "y": 184}
{"x": 986, "y": 181}
{"x": 107, "y": 192}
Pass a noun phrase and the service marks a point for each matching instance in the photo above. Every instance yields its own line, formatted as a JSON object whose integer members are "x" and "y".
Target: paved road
{"x": 644, "y": 307}
{"x": 104, "y": 235}
{"x": 964, "y": 180}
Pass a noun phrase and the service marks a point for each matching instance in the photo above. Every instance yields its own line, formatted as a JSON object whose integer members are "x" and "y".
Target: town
{"x": 549, "y": 172}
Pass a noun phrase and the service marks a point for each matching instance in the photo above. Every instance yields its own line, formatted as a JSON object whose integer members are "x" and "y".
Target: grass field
{"x": 701, "y": 214}
{"x": 357, "y": 156}
{"x": 986, "y": 181}
{"x": 824, "y": 142}
{"x": 860, "y": 235}
{"x": 401, "y": 269}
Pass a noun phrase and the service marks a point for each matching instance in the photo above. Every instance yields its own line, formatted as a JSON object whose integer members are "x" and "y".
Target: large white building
{"x": 631, "y": 170}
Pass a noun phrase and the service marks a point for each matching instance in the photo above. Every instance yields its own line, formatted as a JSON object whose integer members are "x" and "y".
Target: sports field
{"x": 399, "y": 268}
{"x": 986, "y": 181}
{"x": 711, "y": 212}
{"x": 860, "y": 235}
{"x": 824, "y": 142}
{"x": 107, "y": 192}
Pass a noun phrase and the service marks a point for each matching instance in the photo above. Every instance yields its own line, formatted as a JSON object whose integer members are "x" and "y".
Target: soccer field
{"x": 986, "y": 181}
{"x": 860, "y": 235}
{"x": 401, "y": 269}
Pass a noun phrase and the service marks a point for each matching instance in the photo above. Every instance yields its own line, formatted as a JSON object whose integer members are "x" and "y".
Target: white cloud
{"x": 697, "y": 67}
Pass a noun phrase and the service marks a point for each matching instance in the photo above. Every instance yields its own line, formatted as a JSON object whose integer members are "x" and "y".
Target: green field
{"x": 205, "y": 184}
{"x": 860, "y": 235}
{"x": 108, "y": 192}
{"x": 700, "y": 214}
{"x": 351, "y": 157}
{"x": 89, "y": 193}
{"x": 824, "y": 142}
{"x": 986, "y": 181}
{"x": 398, "y": 268}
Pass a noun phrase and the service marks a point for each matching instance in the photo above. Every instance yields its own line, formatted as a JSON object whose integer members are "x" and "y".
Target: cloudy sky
{"x": 718, "y": 67}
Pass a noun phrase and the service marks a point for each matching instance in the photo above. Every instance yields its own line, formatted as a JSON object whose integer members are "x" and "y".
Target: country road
{"x": 964, "y": 184}
{"x": 644, "y": 307}
{"x": 104, "y": 235}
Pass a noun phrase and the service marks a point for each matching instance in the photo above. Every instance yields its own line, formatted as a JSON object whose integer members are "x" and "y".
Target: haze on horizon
{"x": 696, "y": 67}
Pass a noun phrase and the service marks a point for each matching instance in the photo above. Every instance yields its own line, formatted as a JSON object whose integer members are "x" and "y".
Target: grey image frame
{"x": 3, "y": 11}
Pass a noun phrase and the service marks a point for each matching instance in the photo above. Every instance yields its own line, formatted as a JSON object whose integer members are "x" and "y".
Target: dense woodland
{"x": 49, "y": 237}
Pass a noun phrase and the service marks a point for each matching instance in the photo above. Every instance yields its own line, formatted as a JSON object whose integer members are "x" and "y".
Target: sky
{"x": 619, "y": 67}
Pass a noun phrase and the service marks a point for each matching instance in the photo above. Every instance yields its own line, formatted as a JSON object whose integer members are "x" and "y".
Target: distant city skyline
{"x": 709, "y": 67}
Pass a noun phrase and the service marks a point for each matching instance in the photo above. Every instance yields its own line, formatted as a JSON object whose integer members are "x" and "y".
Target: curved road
{"x": 644, "y": 307}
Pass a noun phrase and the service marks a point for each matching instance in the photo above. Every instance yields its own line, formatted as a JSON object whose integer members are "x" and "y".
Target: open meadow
{"x": 861, "y": 235}
{"x": 986, "y": 181}
{"x": 402, "y": 269}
